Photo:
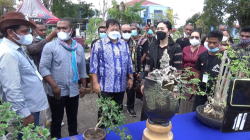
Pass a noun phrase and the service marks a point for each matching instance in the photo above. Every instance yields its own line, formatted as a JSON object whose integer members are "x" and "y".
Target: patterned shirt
{"x": 19, "y": 82}
{"x": 112, "y": 63}
{"x": 56, "y": 61}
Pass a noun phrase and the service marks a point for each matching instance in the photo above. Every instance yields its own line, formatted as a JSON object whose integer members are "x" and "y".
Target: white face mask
{"x": 206, "y": 44}
{"x": 225, "y": 38}
{"x": 185, "y": 35}
{"x": 194, "y": 42}
{"x": 64, "y": 36}
{"x": 126, "y": 35}
{"x": 114, "y": 35}
{"x": 24, "y": 39}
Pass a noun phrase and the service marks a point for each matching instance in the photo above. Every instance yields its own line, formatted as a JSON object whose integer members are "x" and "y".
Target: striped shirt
{"x": 19, "y": 83}
{"x": 112, "y": 63}
{"x": 56, "y": 61}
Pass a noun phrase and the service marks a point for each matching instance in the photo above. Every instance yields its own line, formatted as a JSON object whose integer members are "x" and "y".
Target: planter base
{"x": 157, "y": 132}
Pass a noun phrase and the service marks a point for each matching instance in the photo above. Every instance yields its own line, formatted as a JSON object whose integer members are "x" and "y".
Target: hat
{"x": 15, "y": 18}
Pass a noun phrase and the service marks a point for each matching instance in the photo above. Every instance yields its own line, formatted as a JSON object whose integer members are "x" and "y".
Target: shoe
{"x": 62, "y": 124}
{"x": 132, "y": 112}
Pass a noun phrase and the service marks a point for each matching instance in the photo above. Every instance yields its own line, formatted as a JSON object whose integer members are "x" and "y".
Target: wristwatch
{"x": 132, "y": 78}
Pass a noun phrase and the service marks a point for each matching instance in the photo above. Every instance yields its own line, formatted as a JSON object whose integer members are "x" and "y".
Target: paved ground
{"x": 87, "y": 114}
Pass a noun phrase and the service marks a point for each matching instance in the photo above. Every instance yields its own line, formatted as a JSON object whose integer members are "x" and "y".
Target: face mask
{"x": 161, "y": 35}
{"x": 194, "y": 42}
{"x": 134, "y": 33}
{"x": 64, "y": 36}
{"x": 102, "y": 35}
{"x": 114, "y": 35}
{"x": 206, "y": 44}
{"x": 212, "y": 50}
{"x": 186, "y": 36}
{"x": 225, "y": 38}
{"x": 126, "y": 35}
{"x": 24, "y": 39}
{"x": 150, "y": 32}
{"x": 38, "y": 37}
{"x": 244, "y": 41}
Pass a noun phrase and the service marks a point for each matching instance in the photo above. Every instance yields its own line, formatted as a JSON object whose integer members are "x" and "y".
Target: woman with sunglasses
{"x": 164, "y": 42}
{"x": 189, "y": 57}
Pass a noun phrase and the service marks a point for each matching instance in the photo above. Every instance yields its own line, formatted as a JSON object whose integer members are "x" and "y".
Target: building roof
{"x": 145, "y": 3}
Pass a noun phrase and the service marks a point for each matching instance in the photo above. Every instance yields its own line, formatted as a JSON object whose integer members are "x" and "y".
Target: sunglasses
{"x": 196, "y": 37}
{"x": 126, "y": 31}
{"x": 102, "y": 32}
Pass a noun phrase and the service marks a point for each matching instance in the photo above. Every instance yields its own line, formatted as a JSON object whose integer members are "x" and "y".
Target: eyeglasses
{"x": 126, "y": 31}
{"x": 102, "y": 32}
{"x": 196, "y": 37}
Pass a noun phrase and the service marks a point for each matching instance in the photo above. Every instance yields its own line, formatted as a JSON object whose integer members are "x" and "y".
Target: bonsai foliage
{"x": 92, "y": 28}
{"x": 112, "y": 118}
{"x": 9, "y": 119}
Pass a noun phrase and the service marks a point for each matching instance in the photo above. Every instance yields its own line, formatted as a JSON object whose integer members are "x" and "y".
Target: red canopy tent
{"x": 35, "y": 10}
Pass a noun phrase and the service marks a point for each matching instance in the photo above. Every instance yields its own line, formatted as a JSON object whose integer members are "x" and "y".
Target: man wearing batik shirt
{"x": 111, "y": 65}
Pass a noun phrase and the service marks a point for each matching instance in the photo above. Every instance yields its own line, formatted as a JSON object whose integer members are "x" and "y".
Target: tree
{"x": 126, "y": 13}
{"x": 168, "y": 15}
{"x": 6, "y": 6}
{"x": 46, "y": 4}
{"x": 104, "y": 8}
{"x": 92, "y": 28}
{"x": 194, "y": 19}
{"x": 86, "y": 11}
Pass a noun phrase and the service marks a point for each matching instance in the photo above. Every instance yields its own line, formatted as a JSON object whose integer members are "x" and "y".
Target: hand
{"x": 97, "y": 88}
{"x": 138, "y": 76}
{"x": 176, "y": 95}
{"x": 130, "y": 83}
{"x": 57, "y": 92}
{"x": 82, "y": 92}
{"x": 142, "y": 88}
{"x": 28, "y": 120}
{"x": 54, "y": 33}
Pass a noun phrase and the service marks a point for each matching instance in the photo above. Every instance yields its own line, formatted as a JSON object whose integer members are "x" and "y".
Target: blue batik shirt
{"x": 112, "y": 63}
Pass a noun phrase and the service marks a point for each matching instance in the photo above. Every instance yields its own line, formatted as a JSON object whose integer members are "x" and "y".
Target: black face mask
{"x": 161, "y": 35}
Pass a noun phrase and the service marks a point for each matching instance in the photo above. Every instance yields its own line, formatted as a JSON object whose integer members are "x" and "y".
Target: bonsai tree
{"x": 111, "y": 118}
{"x": 231, "y": 66}
{"x": 10, "y": 121}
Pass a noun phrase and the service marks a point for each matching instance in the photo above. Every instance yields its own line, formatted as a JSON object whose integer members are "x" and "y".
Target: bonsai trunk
{"x": 99, "y": 123}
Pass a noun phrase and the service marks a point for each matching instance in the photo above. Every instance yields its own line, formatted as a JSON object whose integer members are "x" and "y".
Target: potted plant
{"x": 111, "y": 118}
{"x": 212, "y": 113}
{"x": 11, "y": 125}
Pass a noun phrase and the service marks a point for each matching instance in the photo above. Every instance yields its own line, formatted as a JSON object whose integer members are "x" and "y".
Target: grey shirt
{"x": 56, "y": 61}
{"x": 20, "y": 85}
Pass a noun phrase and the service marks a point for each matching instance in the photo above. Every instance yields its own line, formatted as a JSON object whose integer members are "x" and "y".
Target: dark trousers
{"x": 131, "y": 94}
{"x": 57, "y": 112}
{"x": 199, "y": 100}
{"x": 116, "y": 96}
{"x": 144, "y": 117}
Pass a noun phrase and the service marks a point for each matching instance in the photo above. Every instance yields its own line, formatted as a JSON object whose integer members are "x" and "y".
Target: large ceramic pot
{"x": 216, "y": 124}
{"x": 159, "y": 104}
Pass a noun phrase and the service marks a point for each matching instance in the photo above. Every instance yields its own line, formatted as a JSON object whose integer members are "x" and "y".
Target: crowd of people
{"x": 51, "y": 73}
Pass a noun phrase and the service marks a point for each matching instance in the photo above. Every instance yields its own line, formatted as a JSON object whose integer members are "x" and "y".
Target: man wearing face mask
{"x": 21, "y": 83}
{"x": 101, "y": 34}
{"x": 226, "y": 41}
{"x": 62, "y": 65}
{"x": 149, "y": 34}
{"x": 136, "y": 59}
{"x": 111, "y": 65}
{"x": 139, "y": 42}
{"x": 207, "y": 66}
{"x": 184, "y": 41}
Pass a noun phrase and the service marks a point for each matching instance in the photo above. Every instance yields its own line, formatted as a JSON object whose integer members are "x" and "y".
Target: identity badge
{"x": 205, "y": 78}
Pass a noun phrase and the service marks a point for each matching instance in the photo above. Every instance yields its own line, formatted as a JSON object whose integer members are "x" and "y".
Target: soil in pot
{"x": 201, "y": 110}
{"x": 91, "y": 134}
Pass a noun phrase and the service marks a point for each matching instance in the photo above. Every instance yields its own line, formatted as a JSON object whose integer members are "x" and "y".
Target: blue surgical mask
{"x": 102, "y": 35}
{"x": 38, "y": 37}
{"x": 134, "y": 33}
{"x": 150, "y": 32}
{"x": 212, "y": 50}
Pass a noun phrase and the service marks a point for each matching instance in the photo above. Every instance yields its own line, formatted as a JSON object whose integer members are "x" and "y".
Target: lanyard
{"x": 20, "y": 50}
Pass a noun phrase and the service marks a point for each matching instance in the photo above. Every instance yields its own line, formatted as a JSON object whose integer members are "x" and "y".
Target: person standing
{"x": 62, "y": 65}
{"x": 207, "y": 67}
{"x": 21, "y": 83}
{"x": 190, "y": 55}
{"x": 136, "y": 59}
{"x": 184, "y": 41}
{"x": 111, "y": 65}
{"x": 149, "y": 34}
{"x": 101, "y": 34}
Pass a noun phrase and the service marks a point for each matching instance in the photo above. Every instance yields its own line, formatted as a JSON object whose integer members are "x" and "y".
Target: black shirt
{"x": 208, "y": 64}
{"x": 150, "y": 40}
{"x": 183, "y": 43}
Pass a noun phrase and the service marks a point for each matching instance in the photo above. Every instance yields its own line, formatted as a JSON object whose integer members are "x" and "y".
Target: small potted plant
{"x": 11, "y": 125}
{"x": 111, "y": 118}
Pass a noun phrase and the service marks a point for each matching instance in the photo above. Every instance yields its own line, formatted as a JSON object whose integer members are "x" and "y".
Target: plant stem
{"x": 99, "y": 123}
